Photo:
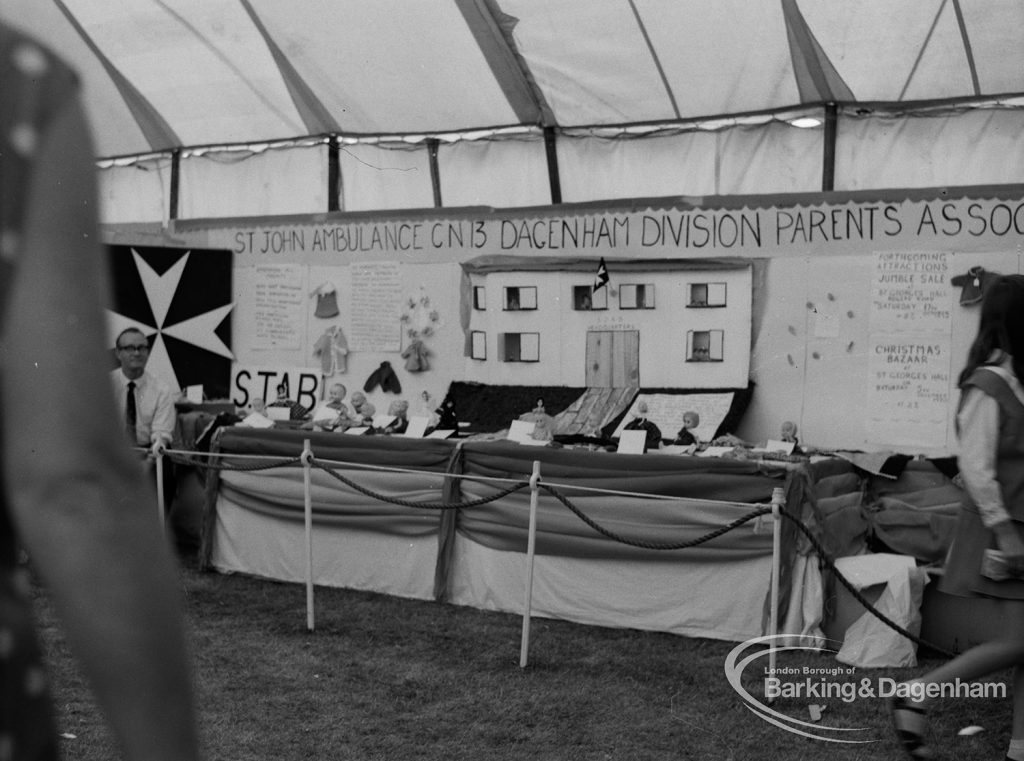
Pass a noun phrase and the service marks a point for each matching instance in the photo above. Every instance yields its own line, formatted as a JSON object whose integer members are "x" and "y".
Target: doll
{"x": 448, "y": 419}
{"x": 296, "y": 411}
{"x": 400, "y": 409}
{"x": 365, "y": 414}
{"x": 543, "y": 423}
{"x": 641, "y": 423}
{"x": 788, "y": 434}
{"x": 336, "y": 402}
{"x": 336, "y": 396}
{"x": 687, "y": 435}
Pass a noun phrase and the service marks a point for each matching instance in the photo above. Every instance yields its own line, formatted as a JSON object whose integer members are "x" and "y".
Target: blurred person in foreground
{"x": 71, "y": 492}
{"x": 990, "y": 429}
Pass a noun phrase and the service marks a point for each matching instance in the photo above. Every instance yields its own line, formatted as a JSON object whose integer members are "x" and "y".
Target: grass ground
{"x": 387, "y": 678}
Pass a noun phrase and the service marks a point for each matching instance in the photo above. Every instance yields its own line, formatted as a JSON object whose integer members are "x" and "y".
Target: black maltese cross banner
{"x": 180, "y": 299}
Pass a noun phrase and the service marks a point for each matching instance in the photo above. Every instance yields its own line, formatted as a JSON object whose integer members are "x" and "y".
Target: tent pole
{"x": 307, "y": 467}
{"x": 531, "y": 545}
{"x": 175, "y": 193}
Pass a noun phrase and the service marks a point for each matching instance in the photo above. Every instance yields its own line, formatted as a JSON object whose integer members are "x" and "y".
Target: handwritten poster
{"x": 910, "y": 292}
{"x": 376, "y": 304}
{"x": 909, "y": 381}
{"x": 279, "y": 306}
{"x": 909, "y": 359}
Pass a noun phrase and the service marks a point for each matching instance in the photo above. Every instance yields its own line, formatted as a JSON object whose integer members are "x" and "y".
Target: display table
{"x": 254, "y": 523}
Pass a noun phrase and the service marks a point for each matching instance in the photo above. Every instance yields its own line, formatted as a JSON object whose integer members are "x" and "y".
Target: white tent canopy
{"x": 307, "y": 106}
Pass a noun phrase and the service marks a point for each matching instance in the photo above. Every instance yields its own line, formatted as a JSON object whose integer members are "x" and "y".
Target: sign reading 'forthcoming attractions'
{"x": 909, "y": 348}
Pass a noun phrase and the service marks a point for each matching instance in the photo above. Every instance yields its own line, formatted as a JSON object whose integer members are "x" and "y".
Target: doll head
{"x": 337, "y": 392}
{"x": 641, "y": 409}
{"x": 691, "y": 420}
{"x": 358, "y": 400}
{"x": 788, "y": 431}
{"x": 399, "y": 408}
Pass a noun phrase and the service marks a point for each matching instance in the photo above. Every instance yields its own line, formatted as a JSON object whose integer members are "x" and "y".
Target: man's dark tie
{"x": 130, "y": 415}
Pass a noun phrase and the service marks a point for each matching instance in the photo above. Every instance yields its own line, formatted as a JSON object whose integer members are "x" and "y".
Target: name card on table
{"x": 279, "y": 413}
{"x": 773, "y": 445}
{"x": 324, "y": 413}
{"x": 418, "y": 425}
{"x": 520, "y": 430}
{"x": 715, "y": 452}
{"x": 256, "y": 420}
{"x": 677, "y": 449}
{"x": 632, "y": 442}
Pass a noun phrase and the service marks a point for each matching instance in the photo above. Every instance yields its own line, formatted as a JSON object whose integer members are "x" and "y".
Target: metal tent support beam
{"x": 435, "y": 171}
{"x": 554, "y": 179}
{"x": 828, "y": 160}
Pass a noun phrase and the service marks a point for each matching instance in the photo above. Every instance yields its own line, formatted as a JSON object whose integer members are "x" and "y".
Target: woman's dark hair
{"x": 1001, "y": 328}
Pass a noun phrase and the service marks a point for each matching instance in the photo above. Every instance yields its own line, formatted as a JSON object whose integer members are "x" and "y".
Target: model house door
{"x": 613, "y": 358}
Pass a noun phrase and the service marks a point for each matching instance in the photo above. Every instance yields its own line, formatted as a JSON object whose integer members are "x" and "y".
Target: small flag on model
{"x": 602, "y": 276}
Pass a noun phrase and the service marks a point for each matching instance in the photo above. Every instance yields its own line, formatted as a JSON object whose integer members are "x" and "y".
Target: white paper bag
{"x": 869, "y": 643}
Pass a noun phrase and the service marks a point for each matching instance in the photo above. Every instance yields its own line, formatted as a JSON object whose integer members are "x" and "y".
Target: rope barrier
{"x": 187, "y": 457}
{"x": 830, "y": 563}
{"x": 421, "y": 505}
{"x": 516, "y": 486}
{"x": 652, "y": 545}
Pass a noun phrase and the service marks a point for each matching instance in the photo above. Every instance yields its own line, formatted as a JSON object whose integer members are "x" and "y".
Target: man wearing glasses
{"x": 146, "y": 405}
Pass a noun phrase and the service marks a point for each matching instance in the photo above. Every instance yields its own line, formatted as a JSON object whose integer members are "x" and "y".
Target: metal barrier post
{"x": 158, "y": 463}
{"x": 307, "y": 467}
{"x": 778, "y": 500}
{"x": 531, "y": 544}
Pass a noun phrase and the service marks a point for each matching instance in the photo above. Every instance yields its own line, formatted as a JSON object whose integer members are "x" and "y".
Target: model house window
{"x": 586, "y": 299}
{"x": 520, "y": 297}
{"x": 706, "y": 295}
{"x": 519, "y": 347}
{"x": 704, "y": 345}
{"x": 636, "y": 296}
{"x": 479, "y": 297}
{"x": 478, "y": 349}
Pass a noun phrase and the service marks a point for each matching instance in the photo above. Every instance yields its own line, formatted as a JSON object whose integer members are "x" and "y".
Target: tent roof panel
{"x": 209, "y": 72}
{"x": 389, "y": 66}
{"x": 751, "y": 67}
